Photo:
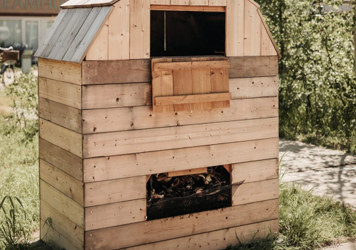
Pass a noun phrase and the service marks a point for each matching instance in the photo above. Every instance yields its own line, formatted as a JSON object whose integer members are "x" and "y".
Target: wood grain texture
{"x": 252, "y": 38}
{"x": 217, "y": 2}
{"x": 61, "y": 159}
{"x": 121, "y": 119}
{"x": 140, "y": 19}
{"x": 235, "y": 27}
{"x": 65, "y": 227}
{"x": 255, "y": 192}
{"x": 169, "y": 100}
{"x": 60, "y": 114}
{"x": 254, "y": 87}
{"x": 255, "y": 171}
{"x": 106, "y": 192}
{"x": 180, "y": 226}
{"x": 61, "y": 137}
{"x": 61, "y": 71}
{"x": 139, "y": 141}
{"x": 267, "y": 47}
{"x": 160, "y": 2}
{"x": 188, "y": 172}
{"x": 188, "y": 7}
{"x": 99, "y": 48}
{"x": 142, "y": 164}
{"x": 220, "y": 239}
{"x": 121, "y": 71}
{"x": 61, "y": 92}
{"x": 62, "y": 182}
{"x": 115, "y": 214}
{"x": 116, "y": 95}
{"x": 253, "y": 66}
{"x": 119, "y": 31}
{"x": 62, "y": 204}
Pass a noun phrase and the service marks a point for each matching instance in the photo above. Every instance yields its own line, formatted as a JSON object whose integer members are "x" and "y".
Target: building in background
{"x": 24, "y": 23}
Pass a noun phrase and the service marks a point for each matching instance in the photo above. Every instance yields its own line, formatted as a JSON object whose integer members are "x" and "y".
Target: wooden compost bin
{"x": 121, "y": 100}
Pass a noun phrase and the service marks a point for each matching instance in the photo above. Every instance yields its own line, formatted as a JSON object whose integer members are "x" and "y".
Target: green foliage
{"x": 317, "y": 85}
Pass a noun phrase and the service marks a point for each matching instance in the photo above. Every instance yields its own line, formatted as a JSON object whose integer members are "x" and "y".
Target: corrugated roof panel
{"x": 87, "y": 3}
{"x": 72, "y": 33}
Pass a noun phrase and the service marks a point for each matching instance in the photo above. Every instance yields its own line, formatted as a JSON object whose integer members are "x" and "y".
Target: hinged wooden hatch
{"x": 190, "y": 84}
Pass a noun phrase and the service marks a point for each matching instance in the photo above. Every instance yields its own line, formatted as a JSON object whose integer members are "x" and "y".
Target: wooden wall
{"x": 126, "y": 34}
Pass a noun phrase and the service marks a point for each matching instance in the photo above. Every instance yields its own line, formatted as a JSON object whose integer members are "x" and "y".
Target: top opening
{"x": 187, "y": 33}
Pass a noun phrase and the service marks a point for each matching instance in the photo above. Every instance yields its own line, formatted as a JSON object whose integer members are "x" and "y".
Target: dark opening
{"x": 172, "y": 196}
{"x": 187, "y": 33}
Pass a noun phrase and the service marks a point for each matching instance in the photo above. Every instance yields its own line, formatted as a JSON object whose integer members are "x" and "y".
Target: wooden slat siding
{"x": 122, "y": 119}
{"x": 183, "y": 84}
{"x": 254, "y": 171}
{"x": 48, "y": 36}
{"x": 253, "y": 66}
{"x": 252, "y": 38}
{"x": 61, "y": 92}
{"x": 140, "y": 19}
{"x": 91, "y": 34}
{"x": 188, "y": 65}
{"x": 142, "y": 164}
{"x": 180, "y": 2}
{"x": 54, "y": 239}
{"x": 220, "y": 84}
{"x": 188, "y": 8}
{"x": 62, "y": 204}
{"x": 99, "y": 49}
{"x": 81, "y": 34}
{"x": 169, "y": 100}
{"x": 61, "y": 71}
{"x": 106, "y": 192}
{"x": 62, "y": 182}
{"x": 235, "y": 26}
{"x": 180, "y": 226}
{"x": 116, "y": 214}
{"x": 220, "y": 239}
{"x": 202, "y": 85}
{"x": 188, "y": 172}
{"x": 66, "y": 228}
{"x": 61, "y": 137}
{"x": 73, "y": 33}
{"x": 116, "y": 95}
{"x": 255, "y": 192}
{"x": 120, "y": 71}
{"x": 60, "y": 114}
{"x": 217, "y": 2}
{"x": 267, "y": 48}
{"x": 269, "y": 34}
{"x": 139, "y": 141}
{"x": 61, "y": 159}
{"x": 119, "y": 31}
{"x": 254, "y": 87}
{"x": 160, "y": 2}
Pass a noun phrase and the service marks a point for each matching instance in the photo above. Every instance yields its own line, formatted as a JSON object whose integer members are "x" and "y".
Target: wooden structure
{"x": 112, "y": 114}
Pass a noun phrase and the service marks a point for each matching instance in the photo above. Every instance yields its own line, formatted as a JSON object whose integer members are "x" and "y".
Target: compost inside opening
{"x": 172, "y": 196}
{"x": 187, "y": 33}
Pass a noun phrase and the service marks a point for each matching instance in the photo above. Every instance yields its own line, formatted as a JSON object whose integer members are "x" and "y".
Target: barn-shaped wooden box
{"x": 133, "y": 91}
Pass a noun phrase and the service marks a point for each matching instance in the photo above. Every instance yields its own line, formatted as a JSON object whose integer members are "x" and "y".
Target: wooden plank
{"x": 180, "y": 226}
{"x": 99, "y": 49}
{"x": 62, "y": 204}
{"x": 160, "y": 2}
{"x": 115, "y": 214}
{"x": 267, "y": 48}
{"x": 190, "y": 2}
{"x": 188, "y": 8}
{"x": 116, "y": 95}
{"x": 61, "y": 159}
{"x": 106, "y": 168}
{"x": 255, "y": 192}
{"x": 169, "y": 100}
{"x": 254, "y": 66}
{"x": 61, "y": 71}
{"x": 252, "y": 38}
{"x": 76, "y": 43}
{"x": 188, "y": 172}
{"x": 60, "y": 114}
{"x": 269, "y": 34}
{"x": 119, "y": 31}
{"x": 235, "y": 26}
{"x": 138, "y": 141}
{"x": 121, "y": 71}
{"x": 62, "y": 182}
{"x": 200, "y": 65}
{"x": 106, "y": 192}
{"x": 61, "y": 137}
{"x": 65, "y": 227}
{"x": 217, "y": 2}
{"x": 221, "y": 239}
{"x": 220, "y": 84}
{"x": 61, "y": 92}
{"x": 183, "y": 84}
{"x": 254, "y": 171}
{"x": 140, "y": 29}
{"x": 202, "y": 85}
{"x": 254, "y": 87}
{"x": 121, "y": 119}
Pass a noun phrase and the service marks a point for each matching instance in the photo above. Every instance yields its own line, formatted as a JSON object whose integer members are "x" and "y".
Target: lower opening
{"x": 171, "y": 196}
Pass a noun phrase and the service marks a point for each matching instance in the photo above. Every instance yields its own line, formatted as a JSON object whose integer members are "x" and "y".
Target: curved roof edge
{"x": 71, "y": 4}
